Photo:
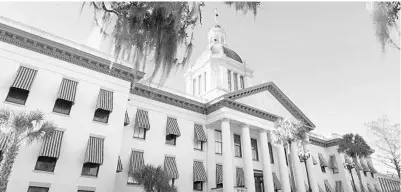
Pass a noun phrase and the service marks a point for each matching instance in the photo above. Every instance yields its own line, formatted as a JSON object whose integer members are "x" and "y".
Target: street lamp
{"x": 303, "y": 157}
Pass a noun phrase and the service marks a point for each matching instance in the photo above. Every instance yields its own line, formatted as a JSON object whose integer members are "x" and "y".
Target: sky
{"x": 324, "y": 56}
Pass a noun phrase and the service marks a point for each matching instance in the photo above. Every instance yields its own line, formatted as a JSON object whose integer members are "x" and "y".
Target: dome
{"x": 232, "y": 54}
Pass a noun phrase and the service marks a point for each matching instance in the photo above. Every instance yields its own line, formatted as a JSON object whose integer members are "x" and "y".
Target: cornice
{"x": 323, "y": 143}
{"x": 66, "y": 53}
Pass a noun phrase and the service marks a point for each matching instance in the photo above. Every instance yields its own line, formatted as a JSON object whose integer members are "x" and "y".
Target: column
{"x": 228, "y": 178}
{"x": 267, "y": 168}
{"x": 309, "y": 167}
{"x": 211, "y": 162}
{"x": 248, "y": 164}
{"x": 299, "y": 178}
{"x": 284, "y": 177}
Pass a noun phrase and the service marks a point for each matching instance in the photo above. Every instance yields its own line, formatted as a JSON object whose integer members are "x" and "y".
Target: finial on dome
{"x": 216, "y": 16}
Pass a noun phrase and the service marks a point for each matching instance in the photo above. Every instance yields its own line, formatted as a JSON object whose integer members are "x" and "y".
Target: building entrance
{"x": 258, "y": 176}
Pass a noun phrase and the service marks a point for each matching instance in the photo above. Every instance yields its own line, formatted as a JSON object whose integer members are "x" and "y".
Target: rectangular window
{"x": 204, "y": 82}
{"x": 219, "y": 185}
{"x": 46, "y": 164}
{"x": 90, "y": 169}
{"x": 37, "y": 189}
{"x": 131, "y": 180}
{"x": 241, "y": 81}
{"x": 198, "y": 186}
{"x": 62, "y": 106}
{"x": 364, "y": 173}
{"x": 254, "y": 145}
{"x": 101, "y": 116}
{"x": 139, "y": 133}
{"x": 235, "y": 81}
{"x": 17, "y": 96}
{"x": 198, "y": 145}
{"x": 171, "y": 139}
{"x": 199, "y": 84}
{"x": 323, "y": 168}
{"x": 229, "y": 79}
{"x": 237, "y": 145}
{"x": 218, "y": 142}
{"x": 271, "y": 153}
{"x": 193, "y": 86}
{"x": 370, "y": 173}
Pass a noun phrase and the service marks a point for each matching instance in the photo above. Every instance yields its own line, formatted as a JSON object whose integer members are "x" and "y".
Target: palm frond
{"x": 46, "y": 130}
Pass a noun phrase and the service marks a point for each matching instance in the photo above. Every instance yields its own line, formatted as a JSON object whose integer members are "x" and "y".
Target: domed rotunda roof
{"x": 218, "y": 48}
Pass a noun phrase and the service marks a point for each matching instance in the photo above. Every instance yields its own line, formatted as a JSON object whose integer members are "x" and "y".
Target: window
{"x": 90, "y": 169}
{"x": 198, "y": 144}
{"x": 219, "y": 185}
{"x": 204, "y": 81}
{"x": 371, "y": 174}
{"x": 62, "y": 106}
{"x": 364, "y": 173}
{"x": 271, "y": 153}
{"x": 45, "y": 164}
{"x": 193, "y": 86}
{"x": 285, "y": 154}
{"x": 171, "y": 139}
{"x": 101, "y": 116}
{"x": 139, "y": 133}
{"x": 323, "y": 168}
{"x": 172, "y": 182}
{"x": 199, "y": 84}
{"x": 235, "y": 81}
{"x": 219, "y": 142}
{"x": 198, "y": 186}
{"x": 237, "y": 145}
{"x": 18, "y": 96}
{"x": 37, "y": 189}
{"x": 241, "y": 81}
{"x": 254, "y": 145}
{"x": 131, "y": 180}
{"x": 229, "y": 79}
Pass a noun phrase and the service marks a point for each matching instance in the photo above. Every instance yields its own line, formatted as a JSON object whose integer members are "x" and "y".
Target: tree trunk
{"x": 355, "y": 159}
{"x": 397, "y": 168}
{"x": 6, "y": 166}
{"x": 353, "y": 182}
{"x": 292, "y": 178}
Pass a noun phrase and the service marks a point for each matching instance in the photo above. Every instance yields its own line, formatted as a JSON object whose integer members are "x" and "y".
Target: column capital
{"x": 225, "y": 119}
{"x": 243, "y": 125}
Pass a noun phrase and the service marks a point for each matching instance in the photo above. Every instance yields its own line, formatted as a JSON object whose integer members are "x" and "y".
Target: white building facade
{"x": 214, "y": 138}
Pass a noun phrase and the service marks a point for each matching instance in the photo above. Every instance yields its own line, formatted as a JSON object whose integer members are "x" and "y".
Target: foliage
{"x": 387, "y": 142}
{"x": 354, "y": 146}
{"x": 154, "y": 29}
{"x": 20, "y": 127}
{"x": 385, "y": 18}
{"x": 288, "y": 131}
{"x": 154, "y": 179}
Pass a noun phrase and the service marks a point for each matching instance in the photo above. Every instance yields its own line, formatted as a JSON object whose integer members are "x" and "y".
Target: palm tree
{"x": 154, "y": 29}
{"x": 355, "y": 147}
{"x": 153, "y": 179}
{"x": 20, "y": 127}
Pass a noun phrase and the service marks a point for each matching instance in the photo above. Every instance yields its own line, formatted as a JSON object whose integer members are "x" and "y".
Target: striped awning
{"x": 276, "y": 182}
{"x": 320, "y": 188}
{"x": 172, "y": 127}
{"x": 377, "y": 188}
{"x": 371, "y": 167}
{"x": 199, "y": 133}
{"x": 126, "y": 119}
{"x": 142, "y": 119}
{"x": 199, "y": 172}
{"x": 240, "y": 176}
{"x": 339, "y": 186}
{"x": 24, "y": 78}
{"x": 170, "y": 167}
{"x": 3, "y": 142}
{"x": 364, "y": 165}
{"x": 328, "y": 186}
{"x": 314, "y": 160}
{"x": 219, "y": 174}
{"x": 323, "y": 162}
{"x": 52, "y": 144}
{"x": 105, "y": 100}
{"x": 369, "y": 188}
{"x": 119, "y": 165}
{"x": 136, "y": 162}
{"x": 68, "y": 89}
{"x": 94, "y": 150}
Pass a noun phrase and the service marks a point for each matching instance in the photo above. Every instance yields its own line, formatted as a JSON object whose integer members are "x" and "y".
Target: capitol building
{"x": 213, "y": 138}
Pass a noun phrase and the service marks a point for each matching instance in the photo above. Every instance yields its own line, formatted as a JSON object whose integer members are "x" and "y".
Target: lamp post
{"x": 304, "y": 155}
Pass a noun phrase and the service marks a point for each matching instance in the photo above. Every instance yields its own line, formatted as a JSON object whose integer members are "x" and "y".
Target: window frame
{"x": 89, "y": 175}
{"x": 58, "y": 109}
{"x": 241, "y": 81}
{"x": 100, "y": 119}
{"x": 41, "y": 165}
{"x": 17, "y": 100}
{"x": 323, "y": 169}
{"x": 138, "y": 129}
{"x": 171, "y": 139}
{"x": 237, "y": 145}
{"x": 235, "y": 77}
{"x": 198, "y": 143}
{"x": 198, "y": 183}
{"x": 218, "y": 143}
{"x": 254, "y": 148}
{"x": 37, "y": 187}
{"x": 219, "y": 185}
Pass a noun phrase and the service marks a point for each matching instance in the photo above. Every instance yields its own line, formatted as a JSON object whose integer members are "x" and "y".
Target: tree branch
{"x": 109, "y": 10}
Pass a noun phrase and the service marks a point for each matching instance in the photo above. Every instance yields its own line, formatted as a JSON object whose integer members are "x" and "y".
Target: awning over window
{"x": 94, "y": 150}
{"x": 3, "y": 142}
{"x": 68, "y": 89}
{"x": 119, "y": 165}
{"x": 276, "y": 182}
{"x": 172, "y": 127}
{"x": 105, "y": 100}
{"x": 339, "y": 186}
{"x": 24, "y": 78}
{"x": 320, "y": 188}
{"x": 328, "y": 186}
{"x": 52, "y": 144}
{"x": 377, "y": 188}
{"x": 137, "y": 161}
{"x": 199, "y": 172}
{"x": 142, "y": 119}
{"x": 240, "y": 176}
{"x": 126, "y": 119}
{"x": 200, "y": 133}
{"x": 371, "y": 167}
{"x": 170, "y": 167}
{"x": 219, "y": 174}
{"x": 333, "y": 164}
{"x": 314, "y": 160}
{"x": 323, "y": 162}
{"x": 364, "y": 165}
{"x": 369, "y": 188}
